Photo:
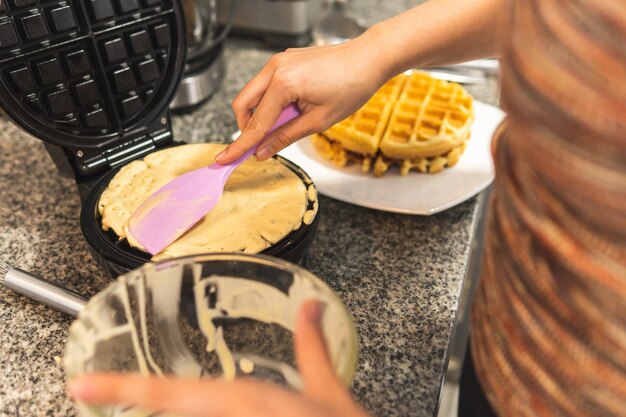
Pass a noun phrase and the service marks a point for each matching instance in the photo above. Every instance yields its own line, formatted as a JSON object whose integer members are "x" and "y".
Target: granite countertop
{"x": 399, "y": 275}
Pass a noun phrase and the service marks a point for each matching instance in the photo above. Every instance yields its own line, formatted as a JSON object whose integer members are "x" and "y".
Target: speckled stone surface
{"x": 399, "y": 275}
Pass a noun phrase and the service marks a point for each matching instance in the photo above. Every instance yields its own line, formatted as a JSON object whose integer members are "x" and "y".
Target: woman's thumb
{"x": 318, "y": 376}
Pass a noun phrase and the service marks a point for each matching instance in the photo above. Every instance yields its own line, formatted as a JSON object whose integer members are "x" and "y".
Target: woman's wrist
{"x": 379, "y": 57}
{"x": 393, "y": 48}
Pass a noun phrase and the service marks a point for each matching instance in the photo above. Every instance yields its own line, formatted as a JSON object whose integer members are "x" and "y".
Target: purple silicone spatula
{"x": 181, "y": 203}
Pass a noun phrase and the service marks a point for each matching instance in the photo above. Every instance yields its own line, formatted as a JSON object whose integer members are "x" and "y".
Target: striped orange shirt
{"x": 549, "y": 317}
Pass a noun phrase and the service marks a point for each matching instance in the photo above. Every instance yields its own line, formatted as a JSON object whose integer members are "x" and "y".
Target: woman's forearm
{"x": 438, "y": 32}
{"x": 330, "y": 83}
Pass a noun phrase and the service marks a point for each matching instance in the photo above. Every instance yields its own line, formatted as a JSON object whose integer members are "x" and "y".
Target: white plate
{"x": 416, "y": 193}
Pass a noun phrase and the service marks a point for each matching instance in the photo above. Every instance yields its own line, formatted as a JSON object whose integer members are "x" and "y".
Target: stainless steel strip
{"x": 45, "y": 292}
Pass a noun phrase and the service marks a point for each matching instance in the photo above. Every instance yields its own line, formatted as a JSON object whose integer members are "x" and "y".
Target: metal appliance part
{"x": 204, "y": 68}
{"x": 336, "y": 26}
{"x": 195, "y": 88}
{"x": 283, "y": 23}
{"x": 40, "y": 290}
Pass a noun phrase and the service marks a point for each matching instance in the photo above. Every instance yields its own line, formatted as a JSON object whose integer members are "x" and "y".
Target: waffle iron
{"x": 93, "y": 79}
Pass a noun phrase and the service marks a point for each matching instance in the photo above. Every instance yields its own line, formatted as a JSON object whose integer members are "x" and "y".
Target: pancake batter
{"x": 263, "y": 201}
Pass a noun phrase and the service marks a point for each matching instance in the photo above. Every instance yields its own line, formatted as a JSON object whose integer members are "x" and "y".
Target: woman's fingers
{"x": 259, "y": 124}
{"x": 250, "y": 96}
{"x": 318, "y": 375}
{"x": 328, "y": 79}
{"x": 305, "y": 125}
{"x": 207, "y": 398}
{"x": 183, "y": 397}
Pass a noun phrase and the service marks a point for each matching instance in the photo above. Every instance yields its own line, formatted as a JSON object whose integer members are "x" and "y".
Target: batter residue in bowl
{"x": 262, "y": 201}
{"x": 131, "y": 313}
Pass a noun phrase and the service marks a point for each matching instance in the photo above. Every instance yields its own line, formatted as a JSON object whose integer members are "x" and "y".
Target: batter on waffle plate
{"x": 413, "y": 121}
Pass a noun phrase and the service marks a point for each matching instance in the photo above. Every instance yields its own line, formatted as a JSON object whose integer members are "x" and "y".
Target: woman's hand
{"x": 323, "y": 395}
{"x": 329, "y": 83}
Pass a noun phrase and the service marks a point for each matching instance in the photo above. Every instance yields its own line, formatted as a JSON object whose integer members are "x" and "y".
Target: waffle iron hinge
{"x": 125, "y": 152}
{"x": 66, "y": 159}
{"x": 89, "y": 173}
{"x": 136, "y": 146}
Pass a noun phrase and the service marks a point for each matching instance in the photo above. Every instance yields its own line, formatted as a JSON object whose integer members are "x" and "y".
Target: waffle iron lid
{"x": 94, "y": 77}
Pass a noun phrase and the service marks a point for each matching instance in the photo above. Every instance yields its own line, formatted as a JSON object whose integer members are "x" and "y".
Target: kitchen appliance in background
{"x": 204, "y": 68}
{"x": 281, "y": 23}
{"x": 336, "y": 26}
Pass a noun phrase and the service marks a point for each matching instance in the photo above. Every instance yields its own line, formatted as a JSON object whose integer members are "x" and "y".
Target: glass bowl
{"x": 221, "y": 315}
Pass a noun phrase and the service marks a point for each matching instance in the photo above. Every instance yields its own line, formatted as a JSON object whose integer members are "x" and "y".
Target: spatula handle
{"x": 288, "y": 114}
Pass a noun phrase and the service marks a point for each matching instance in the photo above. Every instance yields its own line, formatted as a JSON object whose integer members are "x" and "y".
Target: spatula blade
{"x": 174, "y": 209}
{"x": 178, "y": 205}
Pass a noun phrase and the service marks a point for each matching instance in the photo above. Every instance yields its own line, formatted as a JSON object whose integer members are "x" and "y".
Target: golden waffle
{"x": 427, "y": 128}
{"x": 334, "y": 152}
{"x": 363, "y": 130}
{"x": 430, "y": 119}
{"x": 431, "y": 165}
